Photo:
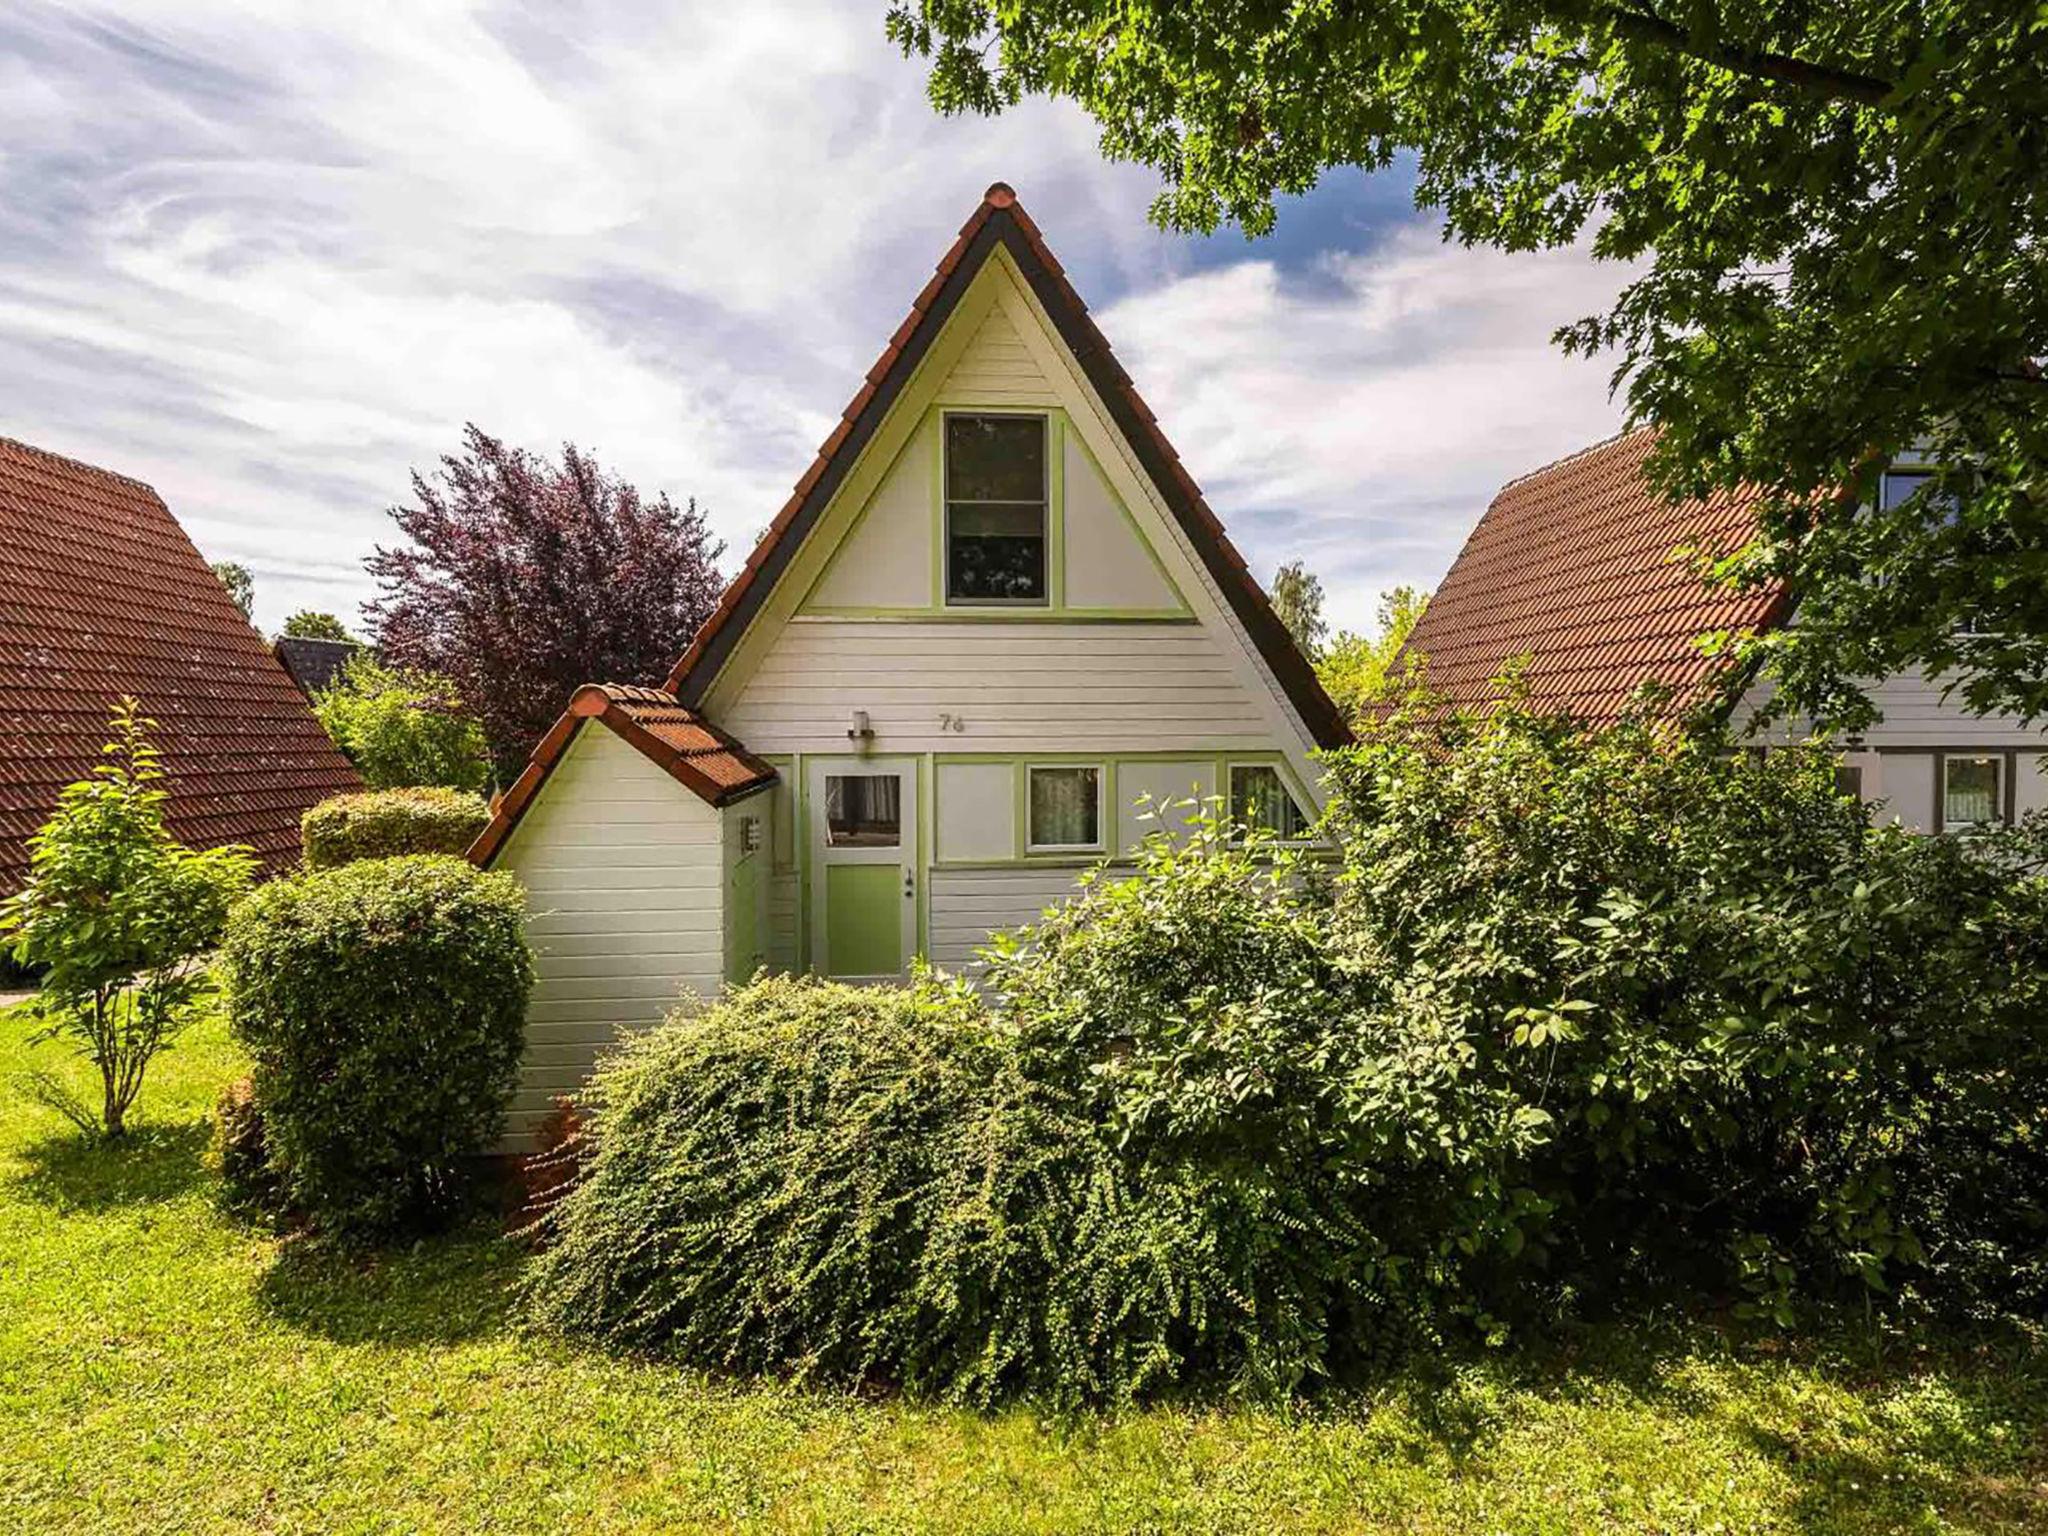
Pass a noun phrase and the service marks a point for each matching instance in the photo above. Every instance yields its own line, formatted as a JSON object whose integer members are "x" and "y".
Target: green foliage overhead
{"x": 388, "y": 822}
{"x": 241, "y": 585}
{"x": 1358, "y": 671}
{"x": 1297, "y": 597}
{"x": 308, "y": 625}
{"x": 118, "y": 917}
{"x": 383, "y": 1006}
{"x": 403, "y": 728}
{"x": 1838, "y": 213}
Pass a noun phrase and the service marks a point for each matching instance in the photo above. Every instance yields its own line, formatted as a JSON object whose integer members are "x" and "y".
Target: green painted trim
{"x": 1020, "y": 818}
{"x": 1131, "y": 522}
{"x": 1035, "y": 861}
{"x": 957, "y": 615}
{"x": 1105, "y": 808}
{"x": 1045, "y": 414}
{"x": 1056, "y": 510}
{"x": 1149, "y": 755}
{"x": 803, "y": 864}
{"x": 935, "y": 422}
{"x": 927, "y": 840}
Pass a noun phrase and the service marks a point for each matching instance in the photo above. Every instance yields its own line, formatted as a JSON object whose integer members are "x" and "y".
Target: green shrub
{"x": 402, "y": 727}
{"x": 857, "y": 1183}
{"x": 117, "y": 917}
{"x": 1676, "y": 1016}
{"x": 387, "y": 822}
{"x": 383, "y": 1005}
{"x": 1564, "y": 1018}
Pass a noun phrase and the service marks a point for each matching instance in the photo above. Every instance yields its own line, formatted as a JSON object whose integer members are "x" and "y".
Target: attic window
{"x": 995, "y": 509}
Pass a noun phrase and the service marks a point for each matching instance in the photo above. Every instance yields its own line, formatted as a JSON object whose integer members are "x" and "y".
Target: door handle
{"x": 909, "y": 881}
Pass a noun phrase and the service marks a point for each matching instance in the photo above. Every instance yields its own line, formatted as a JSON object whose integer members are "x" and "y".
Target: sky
{"x": 270, "y": 258}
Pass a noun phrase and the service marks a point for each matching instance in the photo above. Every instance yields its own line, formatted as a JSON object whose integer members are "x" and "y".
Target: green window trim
{"x": 1053, "y": 485}
{"x": 1105, "y": 806}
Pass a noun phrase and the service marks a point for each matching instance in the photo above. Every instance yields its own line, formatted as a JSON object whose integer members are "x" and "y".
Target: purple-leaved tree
{"x": 524, "y": 579}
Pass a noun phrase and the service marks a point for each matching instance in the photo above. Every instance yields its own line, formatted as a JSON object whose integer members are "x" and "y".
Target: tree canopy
{"x": 522, "y": 580}
{"x": 241, "y": 585}
{"x": 1838, "y": 211}
{"x": 1358, "y": 670}
{"x": 1297, "y": 599}
{"x": 306, "y": 624}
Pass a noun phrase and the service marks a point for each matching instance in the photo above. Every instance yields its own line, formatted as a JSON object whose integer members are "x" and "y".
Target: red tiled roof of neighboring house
{"x": 1001, "y": 220}
{"x": 676, "y": 739}
{"x": 1578, "y": 567}
{"x": 102, "y": 594}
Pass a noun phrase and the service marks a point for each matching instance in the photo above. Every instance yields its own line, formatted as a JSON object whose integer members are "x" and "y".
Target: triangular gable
{"x": 1001, "y": 223}
{"x": 697, "y": 755}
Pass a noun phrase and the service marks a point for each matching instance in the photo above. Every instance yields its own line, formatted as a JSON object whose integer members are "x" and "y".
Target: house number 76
{"x": 953, "y": 723}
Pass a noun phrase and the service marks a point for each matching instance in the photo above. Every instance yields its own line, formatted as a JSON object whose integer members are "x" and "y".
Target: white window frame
{"x": 2000, "y": 789}
{"x": 1302, "y": 803}
{"x": 1101, "y": 843}
{"x": 946, "y": 597}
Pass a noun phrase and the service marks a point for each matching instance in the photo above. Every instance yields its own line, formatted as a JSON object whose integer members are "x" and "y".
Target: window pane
{"x": 863, "y": 810}
{"x": 1849, "y": 780}
{"x": 1259, "y": 802}
{"x": 1898, "y": 485}
{"x": 995, "y": 458}
{"x": 1970, "y": 791}
{"x": 1064, "y": 808}
{"x": 995, "y": 553}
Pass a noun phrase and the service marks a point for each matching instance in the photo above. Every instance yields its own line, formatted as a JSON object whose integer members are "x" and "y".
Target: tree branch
{"x": 1822, "y": 80}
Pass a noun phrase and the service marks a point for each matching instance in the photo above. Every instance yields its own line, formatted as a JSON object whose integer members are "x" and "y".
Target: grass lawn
{"x": 162, "y": 1369}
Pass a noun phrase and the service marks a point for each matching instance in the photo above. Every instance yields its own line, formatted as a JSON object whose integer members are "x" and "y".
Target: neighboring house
{"x": 101, "y": 594}
{"x": 312, "y": 663}
{"x": 994, "y": 616}
{"x": 1577, "y": 567}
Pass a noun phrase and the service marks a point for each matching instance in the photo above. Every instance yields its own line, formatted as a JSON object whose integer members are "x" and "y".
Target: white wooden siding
{"x": 624, "y": 888}
{"x": 969, "y": 904}
{"x": 1013, "y": 687}
{"x": 998, "y": 368}
{"x": 1915, "y": 715}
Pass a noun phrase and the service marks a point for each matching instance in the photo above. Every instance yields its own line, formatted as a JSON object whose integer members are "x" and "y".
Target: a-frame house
{"x": 994, "y": 619}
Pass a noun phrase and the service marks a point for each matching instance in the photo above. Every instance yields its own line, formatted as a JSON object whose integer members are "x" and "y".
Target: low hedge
{"x": 388, "y": 822}
{"x": 383, "y": 1006}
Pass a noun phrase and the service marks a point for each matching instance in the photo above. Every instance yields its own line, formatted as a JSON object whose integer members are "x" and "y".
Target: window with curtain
{"x": 995, "y": 509}
{"x": 1972, "y": 792}
{"x": 1259, "y": 801}
{"x": 863, "y": 810}
{"x": 1066, "y": 807}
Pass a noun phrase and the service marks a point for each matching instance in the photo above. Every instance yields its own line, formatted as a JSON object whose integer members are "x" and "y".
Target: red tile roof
{"x": 102, "y": 594}
{"x": 679, "y": 741}
{"x": 1001, "y": 220}
{"x": 1577, "y": 566}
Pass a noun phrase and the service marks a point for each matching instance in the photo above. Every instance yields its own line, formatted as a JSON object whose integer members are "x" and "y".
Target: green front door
{"x": 863, "y": 846}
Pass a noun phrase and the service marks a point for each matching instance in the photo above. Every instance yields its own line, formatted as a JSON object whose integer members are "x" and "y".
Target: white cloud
{"x": 1363, "y": 420}
{"x": 272, "y": 256}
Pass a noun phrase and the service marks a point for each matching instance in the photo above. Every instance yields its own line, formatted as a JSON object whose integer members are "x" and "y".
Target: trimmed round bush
{"x": 859, "y": 1184}
{"x": 382, "y": 1004}
{"x": 388, "y": 822}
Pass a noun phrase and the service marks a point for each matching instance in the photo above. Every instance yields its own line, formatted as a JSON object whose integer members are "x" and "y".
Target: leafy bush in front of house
{"x": 1562, "y": 1020}
{"x": 402, "y": 727}
{"x": 859, "y": 1183}
{"x": 117, "y": 917}
{"x": 1659, "y": 1015}
{"x": 385, "y": 823}
{"x": 382, "y": 1004}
